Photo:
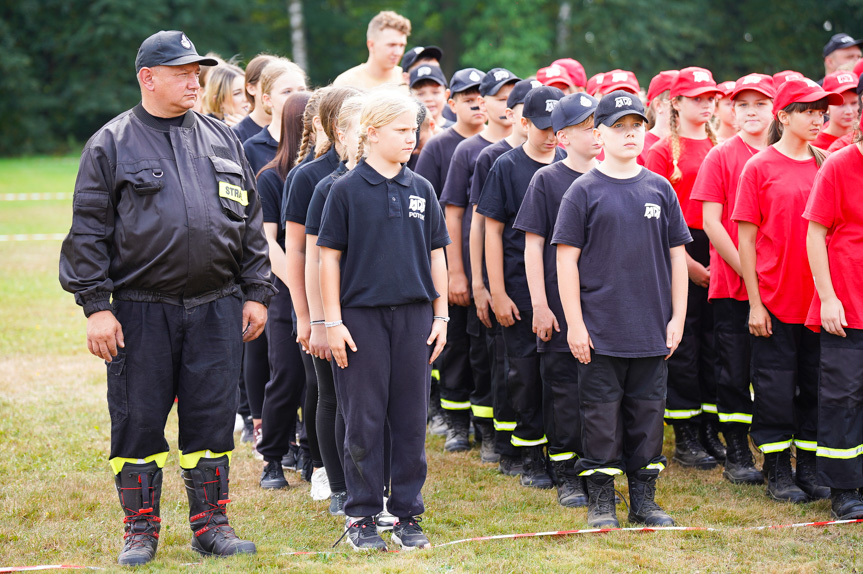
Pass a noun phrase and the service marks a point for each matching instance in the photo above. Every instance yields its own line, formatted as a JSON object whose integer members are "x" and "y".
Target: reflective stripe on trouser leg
{"x": 561, "y": 414}
{"x": 504, "y": 414}
{"x": 481, "y": 398}
{"x": 523, "y": 381}
{"x": 118, "y": 462}
{"x": 482, "y": 412}
{"x": 733, "y": 357}
{"x": 190, "y": 460}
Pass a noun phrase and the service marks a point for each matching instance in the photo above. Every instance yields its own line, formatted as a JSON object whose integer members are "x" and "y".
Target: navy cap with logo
{"x": 572, "y": 110}
{"x": 616, "y": 105}
{"x": 495, "y": 79}
{"x": 839, "y": 41}
{"x": 520, "y": 91}
{"x": 463, "y": 80}
{"x": 171, "y": 48}
{"x": 427, "y": 73}
{"x": 539, "y": 103}
{"x": 413, "y": 55}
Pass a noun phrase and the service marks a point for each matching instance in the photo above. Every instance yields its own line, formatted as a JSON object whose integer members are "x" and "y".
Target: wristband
{"x": 319, "y": 322}
{"x": 333, "y": 323}
{"x": 439, "y": 318}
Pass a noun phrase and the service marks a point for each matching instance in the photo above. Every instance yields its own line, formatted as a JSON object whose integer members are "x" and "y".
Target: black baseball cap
{"x": 539, "y": 103}
{"x": 519, "y": 92}
{"x": 427, "y": 72}
{"x": 572, "y": 110}
{"x": 495, "y": 79}
{"x": 414, "y": 54}
{"x": 617, "y": 104}
{"x": 839, "y": 41}
{"x": 171, "y": 48}
{"x": 466, "y": 79}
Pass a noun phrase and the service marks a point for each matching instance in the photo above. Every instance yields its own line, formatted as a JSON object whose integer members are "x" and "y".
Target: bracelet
{"x": 439, "y": 318}
{"x": 333, "y": 323}
{"x": 319, "y": 322}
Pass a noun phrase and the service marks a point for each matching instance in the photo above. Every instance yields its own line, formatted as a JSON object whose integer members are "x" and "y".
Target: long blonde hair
{"x": 351, "y": 108}
{"x": 219, "y": 87}
{"x": 307, "y": 140}
{"x": 382, "y": 107}
{"x": 328, "y": 111}
{"x": 277, "y": 68}
{"x": 674, "y": 139}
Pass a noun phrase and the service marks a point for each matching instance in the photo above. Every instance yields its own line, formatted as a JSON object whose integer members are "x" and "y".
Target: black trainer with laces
{"x": 408, "y": 534}
{"x": 273, "y": 477}
{"x": 362, "y": 534}
{"x": 337, "y": 503}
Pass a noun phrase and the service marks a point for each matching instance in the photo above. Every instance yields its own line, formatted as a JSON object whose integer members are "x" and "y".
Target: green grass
{"x": 58, "y": 503}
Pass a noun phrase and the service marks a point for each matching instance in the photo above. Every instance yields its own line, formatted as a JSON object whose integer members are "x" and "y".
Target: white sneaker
{"x": 320, "y": 485}
{"x": 385, "y": 520}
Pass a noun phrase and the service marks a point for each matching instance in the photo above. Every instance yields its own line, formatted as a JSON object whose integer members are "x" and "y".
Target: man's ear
{"x": 146, "y": 79}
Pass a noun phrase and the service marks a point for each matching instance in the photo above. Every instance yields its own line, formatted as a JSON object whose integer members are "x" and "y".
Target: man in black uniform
{"x": 166, "y": 220}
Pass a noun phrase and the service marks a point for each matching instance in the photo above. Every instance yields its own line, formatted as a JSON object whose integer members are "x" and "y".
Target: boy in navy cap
{"x": 624, "y": 298}
{"x": 499, "y": 202}
{"x": 428, "y": 85}
{"x": 572, "y": 121}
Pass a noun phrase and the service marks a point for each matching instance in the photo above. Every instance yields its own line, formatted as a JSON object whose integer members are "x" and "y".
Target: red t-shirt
{"x": 772, "y": 194}
{"x": 692, "y": 153}
{"x": 836, "y": 202}
{"x": 649, "y": 140}
{"x": 845, "y": 140}
{"x": 824, "y": 140}
{"x": 717, "y": 182}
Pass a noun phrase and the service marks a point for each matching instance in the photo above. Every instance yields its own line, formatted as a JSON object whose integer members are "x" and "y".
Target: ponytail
{"x": 308, "y": 139}
{"x": 674, "y": 140}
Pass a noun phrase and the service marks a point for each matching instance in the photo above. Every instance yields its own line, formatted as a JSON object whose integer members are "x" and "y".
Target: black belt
{"x": 144, "y": 296}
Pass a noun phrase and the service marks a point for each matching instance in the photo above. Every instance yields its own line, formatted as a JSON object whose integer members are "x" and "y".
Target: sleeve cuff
{"x": 96, "y": 303}
{"x": 259, "y": 293}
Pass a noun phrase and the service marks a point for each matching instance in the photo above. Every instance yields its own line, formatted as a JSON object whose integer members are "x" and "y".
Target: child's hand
{"x": 338, "y": 337}
{"x": 579, "y": 342}
{"x": 482, "y": 301}
{"x": 760, "y": 324}
{"x": 458, "y": 290}
{"x": 698, "y": 273}
{"x": 304, "y": 332}
{"x": 318, "y": 345}
{"x": 505, "y": 310}
{"x": 438, "y": 333}
{"x": 543, "y": 323}
{"x": 673, "y": 334}
{"x": 833, "y": 317}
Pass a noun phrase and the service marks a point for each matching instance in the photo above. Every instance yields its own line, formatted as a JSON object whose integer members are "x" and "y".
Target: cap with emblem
{"x": 693, "y": 82}
{"x": 574, "y": 69}
{"x": 539, "y": 103}
{"x": 495, "y": 79}
{"x": 554, "y": 76}
{"x": 616, "y": 105}
{"x": 571, "y": 110}
{"x": 725, "y": 88}
{"x": 839, "y": 41}
{"x": 414, "y": 55}
{"x": 520, "y": 91}
{"x": 427, "y": 73}
{"x": 595, "y": 83}
{"x": 171, "y": 48}
{"x": 463, "y": 80}
{"x": 661, "y": 82}
{"x": 803, "y": 91}
{"x": 840, "y": 82}
{"x": 619, "y": 80}
{"x": 780, "y": 78}
{"x": 761, "y": 83}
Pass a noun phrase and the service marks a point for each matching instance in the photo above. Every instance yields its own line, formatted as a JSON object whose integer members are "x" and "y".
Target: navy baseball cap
{"x": 495, "y": 79}
{"x": 427, "y": 72}
{"x": 839, "y": 41}
{"x": 414, "y": 54}
{"x": 171, "y": 48}
{"x": 617, "y": 104}
{"x": 539, "y": 103}
{"x": 463, "y": 80}
{"x": 571, "y": 110}
{"x": 519, "y": 92}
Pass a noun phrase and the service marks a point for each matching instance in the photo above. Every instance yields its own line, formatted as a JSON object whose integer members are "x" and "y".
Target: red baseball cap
{"x": 574, "y": 69}
{"x": 761, "y": 83}
{"x": 661, "y": 82}
{"x": 803, "y": 91}
{"x": 841, "y": 82}
{"x": 782, "y": 77}
{"x": 554, "y": 76}
{"x": 619, "y": 80}
{"x": 725, "y": 88}
{"x": 594, "y": 83}
{"x": 692, "y": 82}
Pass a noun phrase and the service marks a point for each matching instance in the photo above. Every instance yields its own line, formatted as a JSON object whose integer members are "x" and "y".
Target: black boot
{"x": 600, "y": 505}
{"x": 642, "y": 500}
{"x": 846, "y": 504}
{"x": 458, "y": 426}
{"x": 510, "y": 465}
{"x": 688, "y": 451}
{"x": 486, "y": 449}
{"x": 780, "y": 485}
{"x": 805, "y": 478}
{"x": 139, "y": 487}
{"x": 571, "y": 490}
{"x": 709, "y": 437}
{"x": 534, "y": 472}
{"x": 739, "y": 465}
{"x": 207, "y": 488}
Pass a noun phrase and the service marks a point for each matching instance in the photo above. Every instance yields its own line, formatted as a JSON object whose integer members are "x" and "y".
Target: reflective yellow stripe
{"x": 608, "y": 471}
{"x": 454, "y": 406}
{"x": 809, "y": 445}
{"x": 655, "y": 466}
{"x": 117, "y": 462}
{"x": 708, "y": 408}
{"x": 683, "y": 414}
{"x": 562, "y": 456}
{"x": 436, "y": 374}
{"x": 190, "y": 460}
{"x": 503, "y": 425}
{"x": 525, "y": 442}
{"x": 482, "y": 412}
{"x": 774, "y": 446}
{"x": 744, "y": 418}
{"x": 845, "y": 453}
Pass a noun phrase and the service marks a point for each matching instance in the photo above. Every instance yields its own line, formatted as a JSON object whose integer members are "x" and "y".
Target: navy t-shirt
{"x": 537, "y": 215}
{"x": 387, "y": 229}
{"x": 625, "y": 229}
{"x": 270, "y": 191}
{"x": 310, "y": 157}
{"x": 501, "y": 199}
{"x": 319, "y": 198}
{"x": 260, "y": 149}
{"x": 433, "y": 163}
{"x": 484, "y": 161}
{"x": 302, "y": 185}
{"x": 246, "y": 129}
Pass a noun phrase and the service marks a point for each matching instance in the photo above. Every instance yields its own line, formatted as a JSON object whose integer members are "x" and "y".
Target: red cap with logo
{"x": 661, "y": 82}
{"x": 693, "y": 82}
{"x": 725, "y": 88}
{"x": 761, "y": 83}
{"x": 554, "y": 76}
{"x": 841, "y": 82}
{"x": 594, "y": 83}
{"x": 619, "y": 80}
{"x": 803, "y": 91}
{"x": 782, "y": 77}
{"x": 574, "y": 69}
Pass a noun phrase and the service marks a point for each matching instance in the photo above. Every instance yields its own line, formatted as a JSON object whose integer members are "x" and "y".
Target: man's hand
{"x": 104, "y": 335}
{"x": 254, "y": 319}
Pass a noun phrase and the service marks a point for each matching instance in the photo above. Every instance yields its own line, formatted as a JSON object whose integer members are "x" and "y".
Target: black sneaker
{"x": 362, "y": 534}
{"x": 337, "y": 503}
{"x": 408, "y": 534}
{"x": 273, "y": 476}
{"x": 510, "y": 465}
{"x": 289, "y": 461}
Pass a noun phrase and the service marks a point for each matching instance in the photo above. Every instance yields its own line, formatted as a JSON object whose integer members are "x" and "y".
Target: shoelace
{"x": 363, "y": 523}
{"x": 411, "y": 526}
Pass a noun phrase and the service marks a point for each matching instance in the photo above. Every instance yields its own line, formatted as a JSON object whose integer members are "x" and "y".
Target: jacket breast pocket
{"x": 145, "y": 176}
{"x": 232, "y": 196}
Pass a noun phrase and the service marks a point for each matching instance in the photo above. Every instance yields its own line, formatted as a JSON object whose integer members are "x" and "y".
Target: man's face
{"x": 387, "y": 47}
{"x": 840, "y": 57}
{"x": 176, "y": 88}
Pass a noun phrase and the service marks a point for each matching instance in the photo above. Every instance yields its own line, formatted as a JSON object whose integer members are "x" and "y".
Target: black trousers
{"x": 310, "y": 409}
{"x": 692, "y": 367}
{"x": 192, "y": 354}
{"x": 454, "y": 363}
{"x": 840, "y": 410}
{"x": 504, "y": 413}
{"x": 733, "y": 358}
{"x": 330, "y": 425}
{"x": 256, "y": 370}
{"x": 523, "y": 381}
{"x": 622, "y": 404}
{"x": 561, "y": 413}
{"x": 785, "y": 368}
{"x": 386, "y": 381}
{"x": 481, "y": 401}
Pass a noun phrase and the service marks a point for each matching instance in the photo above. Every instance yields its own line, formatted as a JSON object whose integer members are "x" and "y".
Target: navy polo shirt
{"x": 270, "y": 191}
{"x": 319, "y": 198}
{"x": 433, "y": 163}
{"x": 484, "y": 161}
{"x": 260, "y": 149}
{"x": 246, "y": 129}
{"x": 308, "y": 159}
{"x": 537, "y": 215}
{"x": 625, "y": 229}
{"x": 387, "y": 229}
{"x": 302, "y": 185}
{"x": 501, "y": 199}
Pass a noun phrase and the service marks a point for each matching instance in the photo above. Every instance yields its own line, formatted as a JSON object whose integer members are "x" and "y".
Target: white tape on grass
{"x": 63, "y": 195}
{"x": 34, "y": 237}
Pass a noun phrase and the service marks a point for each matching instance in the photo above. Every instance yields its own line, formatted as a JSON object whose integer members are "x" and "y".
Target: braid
{"x": 304, "y": 146}
{"x": 674, "y": 140}
{"x": 711, "y": 133}
{"x": 308, "y": 140}
{"x": 325, "y": 147}
{"x": 361, "y": 148}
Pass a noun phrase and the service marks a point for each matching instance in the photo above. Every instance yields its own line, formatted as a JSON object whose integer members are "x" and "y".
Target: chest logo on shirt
{"x": 417, "y": 207}
{"x": 234, "y": 193}
{"x": 652, "y": 211}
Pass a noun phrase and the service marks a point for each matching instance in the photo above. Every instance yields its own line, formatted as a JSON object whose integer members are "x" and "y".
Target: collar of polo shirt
{"x": 373, "y": 177}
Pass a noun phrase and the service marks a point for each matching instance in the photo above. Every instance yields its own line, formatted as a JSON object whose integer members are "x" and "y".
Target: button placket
{"x": 395, "y": 206}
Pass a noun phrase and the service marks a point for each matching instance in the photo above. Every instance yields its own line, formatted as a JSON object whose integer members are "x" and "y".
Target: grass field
{"x": 58, "y": 503}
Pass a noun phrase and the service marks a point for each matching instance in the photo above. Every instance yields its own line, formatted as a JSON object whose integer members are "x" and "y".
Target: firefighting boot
{"x": 642, "y": 500}
{"x": 139, "y": 487}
